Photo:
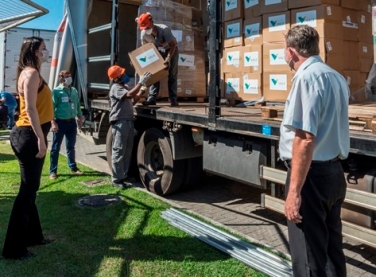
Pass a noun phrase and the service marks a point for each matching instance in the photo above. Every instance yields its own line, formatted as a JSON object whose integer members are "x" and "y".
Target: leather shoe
{"x": 77, "y": 171}
{"x": 121, "y": 185}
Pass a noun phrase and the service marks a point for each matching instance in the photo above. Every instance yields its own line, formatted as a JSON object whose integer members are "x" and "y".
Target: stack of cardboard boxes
{"x": 180, "y": 17}
{"x": 253, "y": 60}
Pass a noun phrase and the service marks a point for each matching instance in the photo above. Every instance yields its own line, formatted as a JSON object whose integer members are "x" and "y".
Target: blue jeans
{"x": 122, "y": 144}
{"x": 69, "y": 130}
{"x": 11, "y": 111}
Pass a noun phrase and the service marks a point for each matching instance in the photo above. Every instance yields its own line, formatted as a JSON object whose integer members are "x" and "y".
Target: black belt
{"x": 66, "y": 120}
{"x": 336, "y": 159}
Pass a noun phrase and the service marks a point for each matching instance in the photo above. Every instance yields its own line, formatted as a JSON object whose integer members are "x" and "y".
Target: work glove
{"x": 167, "y": 62}
{"x": 144, "y": 78}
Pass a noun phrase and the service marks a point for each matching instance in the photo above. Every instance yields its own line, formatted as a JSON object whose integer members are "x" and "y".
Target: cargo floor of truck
{"x": 238, "y": 120}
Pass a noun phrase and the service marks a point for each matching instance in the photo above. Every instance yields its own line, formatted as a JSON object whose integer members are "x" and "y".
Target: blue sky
{"x": 50, "y": 21}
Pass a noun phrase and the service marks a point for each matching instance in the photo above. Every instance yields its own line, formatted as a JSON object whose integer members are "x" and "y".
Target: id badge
{"x": 72, "y": 106}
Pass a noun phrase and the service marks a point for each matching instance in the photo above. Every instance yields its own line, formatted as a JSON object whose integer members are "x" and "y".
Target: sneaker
{"x": 53, "y": 176}
{"x": 149, "y": 102}
{"x": 77, "y": 171}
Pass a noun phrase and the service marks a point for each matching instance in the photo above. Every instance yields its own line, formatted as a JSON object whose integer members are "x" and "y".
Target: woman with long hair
{"x": 28, "y": 139}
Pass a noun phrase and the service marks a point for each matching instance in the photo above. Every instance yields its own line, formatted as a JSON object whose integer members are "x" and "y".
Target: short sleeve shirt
{"x": 121, "y": 108}
{"x": 10, "y": 101}
{"x": 318, "y": 104}
{"x": 161, "y": 40}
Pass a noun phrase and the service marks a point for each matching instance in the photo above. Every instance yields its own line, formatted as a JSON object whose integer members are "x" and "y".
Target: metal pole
{"x": 114, "y": 32}
{"x": 215, "y": 42}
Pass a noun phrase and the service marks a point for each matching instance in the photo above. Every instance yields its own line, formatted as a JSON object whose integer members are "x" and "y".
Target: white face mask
{"x": 148, "y": 31}
{"x": 45, "y": 56}
{"x": 68, "y": 81}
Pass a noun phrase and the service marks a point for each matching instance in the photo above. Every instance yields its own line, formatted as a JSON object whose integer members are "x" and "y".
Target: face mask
{"x": 148, "y": 31}
{"x": 125, "y": 79}
{"x": 45, "y": 56}
{"x": 68, "y": 81}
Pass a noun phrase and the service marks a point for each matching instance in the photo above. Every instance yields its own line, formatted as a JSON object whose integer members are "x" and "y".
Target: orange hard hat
{"x": 115, "y": 71}
{"x": 144, "y": 20}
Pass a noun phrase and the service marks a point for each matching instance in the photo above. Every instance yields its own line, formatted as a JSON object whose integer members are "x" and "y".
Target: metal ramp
{"x": 17, "y": 12}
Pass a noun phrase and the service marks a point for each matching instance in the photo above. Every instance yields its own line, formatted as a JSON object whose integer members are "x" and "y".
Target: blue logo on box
{"x": 266, "y": 130}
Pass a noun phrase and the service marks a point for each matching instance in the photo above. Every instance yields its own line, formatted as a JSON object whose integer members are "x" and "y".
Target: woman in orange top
{"x": 29, "y": 142}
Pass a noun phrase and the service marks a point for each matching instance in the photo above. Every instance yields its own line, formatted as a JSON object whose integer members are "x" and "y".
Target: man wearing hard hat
{"x": 122, "y": 125}
{"x": 164, "y": 40}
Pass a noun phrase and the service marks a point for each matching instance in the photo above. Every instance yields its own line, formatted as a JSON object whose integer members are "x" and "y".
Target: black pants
{"x": 318, "y": 238}
{"x": 24, "y": 226}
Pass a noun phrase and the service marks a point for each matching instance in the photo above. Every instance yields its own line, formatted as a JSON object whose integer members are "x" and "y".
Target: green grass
{"x": 126, "y": 239}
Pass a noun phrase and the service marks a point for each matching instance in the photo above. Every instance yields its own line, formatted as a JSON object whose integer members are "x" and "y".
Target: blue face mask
{"x": 125, "y": 79}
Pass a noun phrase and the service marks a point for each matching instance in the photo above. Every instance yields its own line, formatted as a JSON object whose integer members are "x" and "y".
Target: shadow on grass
{"x": 6, "y": 157}
{"x": 87, "y": 240}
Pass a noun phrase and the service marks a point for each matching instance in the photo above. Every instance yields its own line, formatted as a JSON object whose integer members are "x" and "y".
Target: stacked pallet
{"x": 185, "y": 22}
{"x": 253, "y": 61}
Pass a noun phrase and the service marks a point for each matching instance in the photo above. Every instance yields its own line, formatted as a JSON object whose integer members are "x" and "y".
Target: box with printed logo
{"x": 147, "y": 59}
{"x": 252, "y": 31}
{"x": 277, "y": 85}
{"x": 232, "y": 59}
{"x": 272, "y": 6}
{"x": 232, "y": 9}
{"x": 252, "y": 59}
{"x": 274, "y": 57}
{"x": 233, "y": 33}
{"x": 232, "y": 85}
{"x": 327, "y": 20}
{"x": 251, "y": 86}
{"x": 293, "y": 4}
{"x": 252, "y": 8}
{"x": 275, "y": 26}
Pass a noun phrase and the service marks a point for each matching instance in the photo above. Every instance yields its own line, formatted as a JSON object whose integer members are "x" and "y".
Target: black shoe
{"x": 129, "y": 182}
{"x": 174, "y": 103}
{"x": 149, "y": 102}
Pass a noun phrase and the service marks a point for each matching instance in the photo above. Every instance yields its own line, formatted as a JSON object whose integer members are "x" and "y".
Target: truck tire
{"x": 159, "y": 172}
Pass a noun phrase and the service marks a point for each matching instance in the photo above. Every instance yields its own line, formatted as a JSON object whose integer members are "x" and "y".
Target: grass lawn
{"x": 126, "y": 239}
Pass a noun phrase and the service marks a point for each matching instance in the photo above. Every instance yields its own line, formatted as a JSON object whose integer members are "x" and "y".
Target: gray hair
{"x": 304, "y": 39}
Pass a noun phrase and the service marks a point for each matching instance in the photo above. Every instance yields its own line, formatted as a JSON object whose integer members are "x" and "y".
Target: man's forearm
{"x": 302, "y": 152}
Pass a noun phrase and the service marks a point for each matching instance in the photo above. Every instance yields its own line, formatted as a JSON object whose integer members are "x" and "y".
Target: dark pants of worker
{"x": 24, "y": 226}
{"x": 316, "y": 243}
{"x": 172, "y": 81}
{"x": 67, "y": 128}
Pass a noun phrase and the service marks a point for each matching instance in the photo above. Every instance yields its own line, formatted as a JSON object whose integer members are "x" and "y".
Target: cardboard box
{"x": 232, "y": 9}
{"x": 277, "y": 85}
{"x": 252, "y": 59}
{"x": 273, "y": 6}
{"x": 331, "y": 52}
{"x": 275, "y": 26}
{"x": 251, "y": 86}
{"x": 253, "y": 31}
{"x": 233, "y": 33}
{"x": 252, "y": 8}
{"x": 233, "y": 85}
{"x": 365, "y": 27}
{"x": 232, "y": 60}
{"x": 355, "y": 80}
{"x": 350, "y": 51}
{"x": 350, "y": 24}
{"x": 327, "y": 20}
{"x": 147, "y": 59}
{"x": 293, "y": 4}
{"x": 360, "y": 5}
{"x": 274, "y": 57}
